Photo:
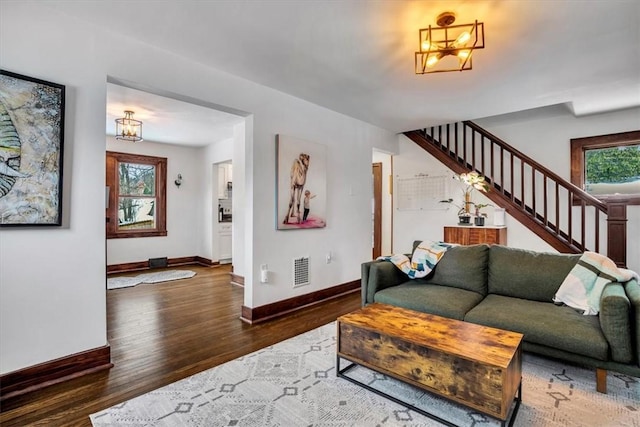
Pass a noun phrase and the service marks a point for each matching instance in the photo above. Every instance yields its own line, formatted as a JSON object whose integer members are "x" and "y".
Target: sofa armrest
{"x": 378, "y": 275}
{"x": 616, "y": 322}
{"x": 364, "y": 278}
{"x": 632, "y": 289}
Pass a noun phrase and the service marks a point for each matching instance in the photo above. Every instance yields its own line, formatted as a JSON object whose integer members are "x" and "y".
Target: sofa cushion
{"x": 433, "y": 299}
{"x": 463, "y": 267}
{"x": 527, "y": 274}
{"x": 543, "y": 323}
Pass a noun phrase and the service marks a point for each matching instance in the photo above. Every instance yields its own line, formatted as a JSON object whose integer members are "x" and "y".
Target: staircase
{"x": 567, "y": 218}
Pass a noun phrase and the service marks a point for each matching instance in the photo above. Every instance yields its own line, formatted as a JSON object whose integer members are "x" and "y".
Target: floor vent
{"x": 158, "y": 262}
{"x": 300, "y": 271}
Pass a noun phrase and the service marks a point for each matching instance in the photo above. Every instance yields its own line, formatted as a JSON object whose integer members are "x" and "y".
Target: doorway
{"x": 223, "y": 206}
{"x": 381, "y": 204}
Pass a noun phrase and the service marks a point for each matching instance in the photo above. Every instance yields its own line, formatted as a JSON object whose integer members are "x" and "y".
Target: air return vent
{"x": 300, "y": 271}
{"x": 158, "y": 262}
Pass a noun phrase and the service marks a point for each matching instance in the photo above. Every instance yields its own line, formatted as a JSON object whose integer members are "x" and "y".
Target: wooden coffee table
{"x": 477, "y": 366}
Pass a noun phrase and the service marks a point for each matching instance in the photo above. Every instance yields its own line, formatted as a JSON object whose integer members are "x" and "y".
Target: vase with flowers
{"x": 472, "y": 181}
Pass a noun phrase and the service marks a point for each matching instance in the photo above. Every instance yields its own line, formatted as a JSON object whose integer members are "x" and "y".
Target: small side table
{"x": 474, "y": 235}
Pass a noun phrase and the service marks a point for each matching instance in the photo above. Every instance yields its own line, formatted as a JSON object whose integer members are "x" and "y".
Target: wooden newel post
{"x": 617, "y": 233}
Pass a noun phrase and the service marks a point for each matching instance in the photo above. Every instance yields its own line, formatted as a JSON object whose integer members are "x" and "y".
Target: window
{"x": 608, "y": 166}
{"x": 136, "y": 195}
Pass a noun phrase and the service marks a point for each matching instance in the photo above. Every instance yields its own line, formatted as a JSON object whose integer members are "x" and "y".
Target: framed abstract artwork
{"x": 301, "y": 184}
{"x": 31, "y": 151}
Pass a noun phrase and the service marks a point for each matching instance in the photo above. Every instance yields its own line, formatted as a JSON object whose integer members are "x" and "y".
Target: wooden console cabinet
{"x": 472, "y": 235}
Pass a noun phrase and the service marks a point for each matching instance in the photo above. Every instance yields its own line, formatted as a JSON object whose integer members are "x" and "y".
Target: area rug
{"x": 156, "y": 277}
{"x": 294, "y": 383}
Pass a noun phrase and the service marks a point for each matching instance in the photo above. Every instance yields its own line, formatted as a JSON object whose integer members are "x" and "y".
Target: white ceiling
{"x": 357, "y": 57}
{"x": 169, "y": 120}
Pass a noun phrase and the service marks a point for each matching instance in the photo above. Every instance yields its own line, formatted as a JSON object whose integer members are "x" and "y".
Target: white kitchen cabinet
{"x": 224, "y": 250}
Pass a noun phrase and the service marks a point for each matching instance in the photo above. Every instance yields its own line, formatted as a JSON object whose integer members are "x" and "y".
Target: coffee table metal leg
{"x": 341, "y": 373}
{"x": 518, "y": 399}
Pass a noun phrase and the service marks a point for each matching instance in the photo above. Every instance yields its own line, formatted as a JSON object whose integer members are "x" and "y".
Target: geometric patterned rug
{"x": 293, "y": 383}
{"x": 154, "y": 277}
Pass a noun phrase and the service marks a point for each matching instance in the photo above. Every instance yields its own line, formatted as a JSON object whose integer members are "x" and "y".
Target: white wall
{"x": 410, "y": 225}
{"x": 349, "y": 186}
{"x": 184, "y": 205}
{"x": 52, "y": 281}
{"x": 58, "y": 308}
{"x": 542, "y": 134}
{"x": 242, "y": 208}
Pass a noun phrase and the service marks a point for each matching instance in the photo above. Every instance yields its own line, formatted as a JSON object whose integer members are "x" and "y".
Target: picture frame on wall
{"x": 301, "y": 184}
{"x": 31, "y": 150}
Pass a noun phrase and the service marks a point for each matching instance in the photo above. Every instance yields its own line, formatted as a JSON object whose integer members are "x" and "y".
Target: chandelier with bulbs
{"x": 448, "y": 47}
{"x": 128, "y": 129}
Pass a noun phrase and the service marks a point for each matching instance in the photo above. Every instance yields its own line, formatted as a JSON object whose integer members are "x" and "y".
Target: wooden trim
{"x": 205, "y": 262}
{"x": 391, "y": 218}
{"x": 130, "y": 266}
{"x": 287, "y": 306}
{"x": 377, "y": 209}
{"x": 237, "y": 279}
{"x": 112, "y": 159}
{"x": 185, "y": 260}
{"x": 55, "y": 371}
{"x": 617, "y": 234}
{"x": 578, "y": 148}
{"x": 171, "y": 262}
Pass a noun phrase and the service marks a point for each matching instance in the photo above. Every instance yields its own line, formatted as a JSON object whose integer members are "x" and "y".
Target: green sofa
{"x": 513, "y": 289}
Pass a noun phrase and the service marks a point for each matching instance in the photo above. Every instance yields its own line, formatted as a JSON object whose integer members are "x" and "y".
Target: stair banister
{"x": 523, "y": 210}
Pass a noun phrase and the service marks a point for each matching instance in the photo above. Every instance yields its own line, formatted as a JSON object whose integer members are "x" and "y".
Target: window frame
{"x": 113, "y": 159}
{"x": 579, "y": 147}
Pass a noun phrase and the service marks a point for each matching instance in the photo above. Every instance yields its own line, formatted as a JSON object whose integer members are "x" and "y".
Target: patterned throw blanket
{"x": 424, "y": 259}
{"x": 583, "y": 286}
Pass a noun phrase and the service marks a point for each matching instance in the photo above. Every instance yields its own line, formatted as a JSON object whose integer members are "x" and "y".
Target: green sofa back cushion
{"x": 527, "y": 274}
{"x": 463, "y": 267}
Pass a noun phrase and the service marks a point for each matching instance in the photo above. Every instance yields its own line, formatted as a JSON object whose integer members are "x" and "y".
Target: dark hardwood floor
{"x": 160, "y": 334}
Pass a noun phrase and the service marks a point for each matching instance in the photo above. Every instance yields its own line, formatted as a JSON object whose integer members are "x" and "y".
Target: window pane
{"x": 613, "y": 170}
{"x": 137, "y": 179}
{"x": 136, "y": 213}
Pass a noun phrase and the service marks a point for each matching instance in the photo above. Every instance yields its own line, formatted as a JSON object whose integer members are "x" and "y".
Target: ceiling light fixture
{"x": 448, "y": 47}
{"x": 128, "y": 129}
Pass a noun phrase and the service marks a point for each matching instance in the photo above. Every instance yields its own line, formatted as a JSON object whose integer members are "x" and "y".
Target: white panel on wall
{"x": 421, "y": 192}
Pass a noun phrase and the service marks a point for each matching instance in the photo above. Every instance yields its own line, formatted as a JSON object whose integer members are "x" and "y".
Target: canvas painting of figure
{"x": 301, "y": 184}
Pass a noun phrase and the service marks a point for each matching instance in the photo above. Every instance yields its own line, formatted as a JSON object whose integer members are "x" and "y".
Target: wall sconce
{"x": 448, "y": 41}
{"x": 128, "y": 129}
{"x": 178, "y": 181}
